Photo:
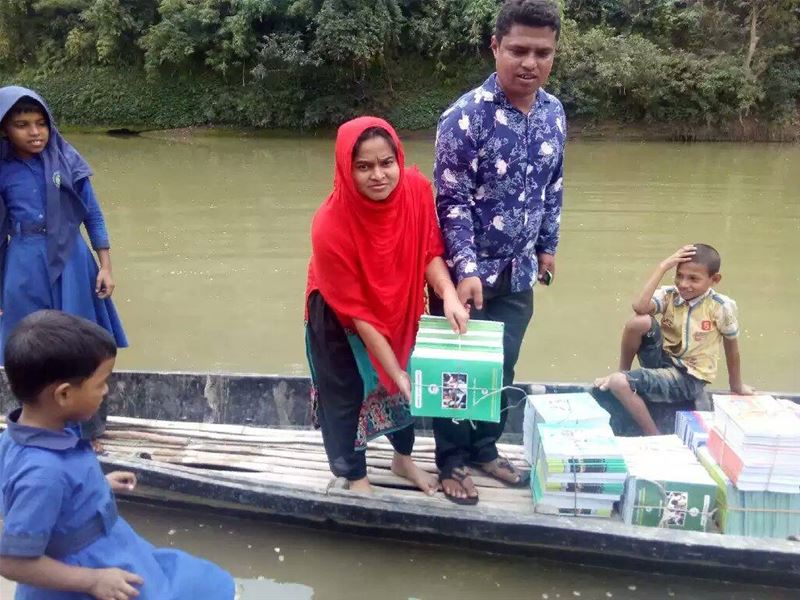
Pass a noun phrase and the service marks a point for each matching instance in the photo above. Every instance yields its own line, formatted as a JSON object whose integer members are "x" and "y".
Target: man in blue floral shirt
{"x": 498, "y": 176}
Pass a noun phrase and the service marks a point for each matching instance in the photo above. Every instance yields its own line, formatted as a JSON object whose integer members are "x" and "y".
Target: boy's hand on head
{"x": 104, "y": 286}
{"x": 684, "y": 254}
{"x": 121, "y": 481}
{"x": 115, "y": 584}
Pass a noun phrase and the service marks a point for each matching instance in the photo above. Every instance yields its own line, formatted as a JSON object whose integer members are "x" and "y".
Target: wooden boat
{"x": 243, "y": 444}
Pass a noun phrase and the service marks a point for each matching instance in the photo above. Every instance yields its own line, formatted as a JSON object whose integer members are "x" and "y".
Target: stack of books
{"x": 578, "y": 470}
{"x": 693, "y": 427}
{"x": 666, "y": 486}
{"x": 558, "y": 408}
{"x": 756, "y": 441}
{"x": 752, "y": 514}
{"x": 753, "y": 454}
{"x": 457, "y": 376}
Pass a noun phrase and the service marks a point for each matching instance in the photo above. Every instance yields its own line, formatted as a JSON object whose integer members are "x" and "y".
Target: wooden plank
{"x": 264, "y": 456}
{"x": 318, "y": 484}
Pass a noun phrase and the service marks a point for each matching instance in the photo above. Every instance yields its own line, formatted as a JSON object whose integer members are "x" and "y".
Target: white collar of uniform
{"x": 694, "y": 301}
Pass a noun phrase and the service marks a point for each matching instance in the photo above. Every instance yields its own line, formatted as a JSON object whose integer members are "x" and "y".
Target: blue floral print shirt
{"x": 499, "y": 182}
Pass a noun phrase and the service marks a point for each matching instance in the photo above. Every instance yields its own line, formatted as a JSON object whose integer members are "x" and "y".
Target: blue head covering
{"x": 63, "y": 168}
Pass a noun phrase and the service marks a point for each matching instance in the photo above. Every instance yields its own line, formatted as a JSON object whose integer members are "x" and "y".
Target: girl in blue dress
{"x": 45, "y": 197}
{"x": 62, "y": 538}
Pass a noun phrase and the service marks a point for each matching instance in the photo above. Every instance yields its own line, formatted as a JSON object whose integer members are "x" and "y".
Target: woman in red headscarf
{"x": 375, "y": 243}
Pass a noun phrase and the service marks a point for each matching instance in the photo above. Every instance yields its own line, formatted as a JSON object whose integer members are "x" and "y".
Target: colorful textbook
{"x": 756, "y": 441}
{"x": 578, "y": 470}
{"x": 667, "y": 486}
{"x": 753, "y": 514}
{"x": 753, "y": 454}
{"x": 562, "y": 409}
{"x": 693, "y": 427}
{"x": 457, "y": 376}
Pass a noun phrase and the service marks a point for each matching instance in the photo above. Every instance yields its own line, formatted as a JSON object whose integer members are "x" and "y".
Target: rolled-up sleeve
{"x": 31, "y": 505}
{"x": 727, "y": 319}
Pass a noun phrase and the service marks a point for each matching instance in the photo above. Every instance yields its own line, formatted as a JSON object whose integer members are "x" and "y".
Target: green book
{"x": 724, "y": 486}
{"x": 682, "y": 500}
{"x": 457, "y": 376}
{"x": 753, "y": 514}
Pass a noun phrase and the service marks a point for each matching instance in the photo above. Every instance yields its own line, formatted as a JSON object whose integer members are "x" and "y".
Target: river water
{"x": 210, "y": 245}
{"x": 286, "y": 563}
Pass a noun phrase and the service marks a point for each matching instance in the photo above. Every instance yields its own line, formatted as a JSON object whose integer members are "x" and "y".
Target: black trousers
{"x": 340, "y": 393}
{"x": 460, "y": 443}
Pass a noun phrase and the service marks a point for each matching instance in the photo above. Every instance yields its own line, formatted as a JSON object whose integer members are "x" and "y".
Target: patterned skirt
{"x": 340, "y": 357}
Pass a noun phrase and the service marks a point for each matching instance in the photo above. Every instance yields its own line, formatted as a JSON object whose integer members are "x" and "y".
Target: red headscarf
{"x": 368, "y": 257}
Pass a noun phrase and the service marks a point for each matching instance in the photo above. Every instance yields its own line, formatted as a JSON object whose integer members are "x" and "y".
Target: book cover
{"x": 671, "y": 503}
{"x": 558, "y": 408}
{"x": 457, "y": 376}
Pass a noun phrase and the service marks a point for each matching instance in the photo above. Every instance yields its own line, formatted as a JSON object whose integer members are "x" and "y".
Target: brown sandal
{"x": 458, "y": 474}
{"x": 502, "y": 463}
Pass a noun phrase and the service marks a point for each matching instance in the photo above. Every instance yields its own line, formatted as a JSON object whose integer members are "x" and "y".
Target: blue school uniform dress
{"x": 44, "y": 261}
{"x": 55, "y": 501}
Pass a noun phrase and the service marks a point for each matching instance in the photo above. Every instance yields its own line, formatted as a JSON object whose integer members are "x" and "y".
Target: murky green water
{"x": 287, "y": 563}
{"x": 210, "y": 241}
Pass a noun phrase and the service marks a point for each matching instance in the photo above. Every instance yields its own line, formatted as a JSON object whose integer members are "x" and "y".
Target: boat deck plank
{"x": 289, "y": 457}
{"x": 279, "y": 473}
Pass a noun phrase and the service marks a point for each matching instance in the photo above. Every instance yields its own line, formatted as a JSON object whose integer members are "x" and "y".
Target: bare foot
{"x": 602, "y": 382}
{"x": 361, "y": 486}
{"x": 403, "y": 466}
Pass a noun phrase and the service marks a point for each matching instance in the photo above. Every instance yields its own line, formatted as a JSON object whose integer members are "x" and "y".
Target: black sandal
{"x": 503, "y": 463}
{"x": 458, "y": 474}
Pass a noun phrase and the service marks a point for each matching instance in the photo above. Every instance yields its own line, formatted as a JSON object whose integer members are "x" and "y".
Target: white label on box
{"x": 418, "y": 388}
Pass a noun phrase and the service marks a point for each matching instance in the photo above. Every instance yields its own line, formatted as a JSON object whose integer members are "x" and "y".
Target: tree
{"x": 356, "y": 34}
{"x": 446, "y": 29}
{"x": 108, "y": 31}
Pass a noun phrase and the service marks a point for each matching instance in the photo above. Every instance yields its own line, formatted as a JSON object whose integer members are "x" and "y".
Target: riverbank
{"x": 741, "y": 131}
{"x": 100, "y": 100}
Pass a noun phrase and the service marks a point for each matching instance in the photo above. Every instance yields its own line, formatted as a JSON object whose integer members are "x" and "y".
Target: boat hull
{"x": 282, "y": 403}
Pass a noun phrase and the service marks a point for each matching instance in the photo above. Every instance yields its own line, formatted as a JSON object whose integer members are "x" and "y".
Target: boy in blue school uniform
{"x": 62, "y": 538}
{"x": 676, "y": 334}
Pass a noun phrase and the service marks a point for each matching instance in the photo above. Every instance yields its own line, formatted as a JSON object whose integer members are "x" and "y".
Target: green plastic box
{"x": 457, "y": 376}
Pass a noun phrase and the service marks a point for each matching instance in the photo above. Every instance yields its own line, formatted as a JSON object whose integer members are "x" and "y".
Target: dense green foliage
{"x": 308, "y": 63}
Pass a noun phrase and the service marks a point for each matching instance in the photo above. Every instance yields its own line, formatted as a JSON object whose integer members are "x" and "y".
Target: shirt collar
{"x": 694, "y": 301}
{"x": 38, "y": 437}
{"x": 491, "y": 91}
